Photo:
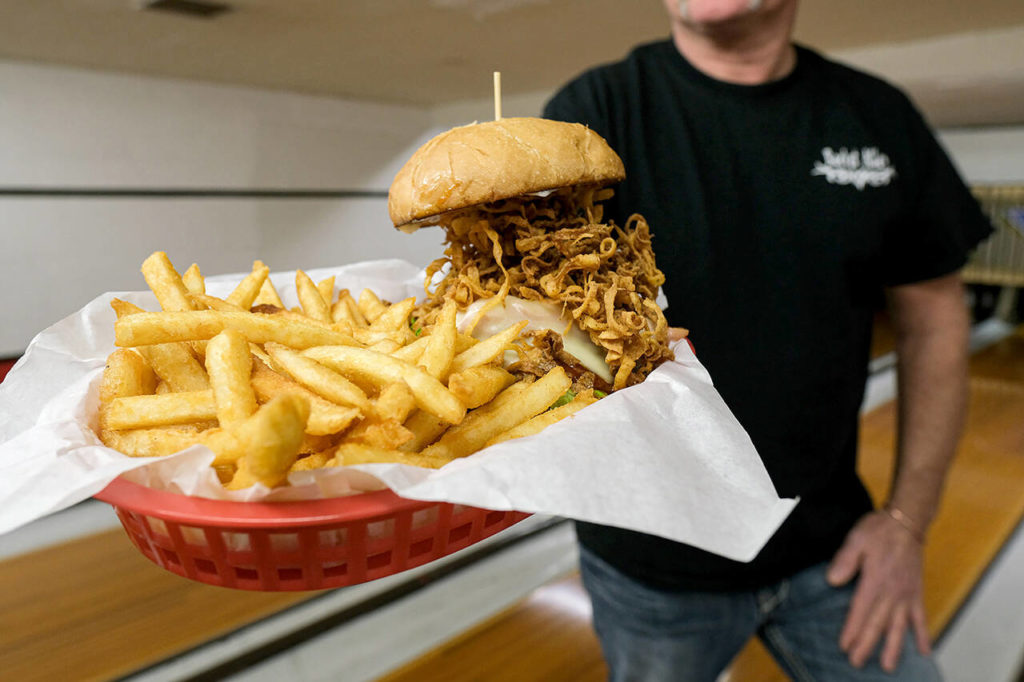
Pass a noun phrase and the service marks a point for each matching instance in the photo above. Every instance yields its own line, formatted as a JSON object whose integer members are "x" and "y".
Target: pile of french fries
{"x": 338, "y": 380}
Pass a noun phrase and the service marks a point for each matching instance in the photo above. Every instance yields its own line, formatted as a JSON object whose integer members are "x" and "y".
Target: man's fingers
{"x": 919, "y": 623}
{"x": 894, "y": 639}
{"x": 870, "y": 632}
{"x": 844, "y": 565}
{"x": 676, "y": 333}
{"x": 860, "y": 608}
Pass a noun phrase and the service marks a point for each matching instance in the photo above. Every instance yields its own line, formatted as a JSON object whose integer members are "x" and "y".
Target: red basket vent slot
{"x": 493, "y": 518}
{"x": 378, "y": 560}
{"x": 236, "y": 541}
{"x": 335, "y": 537}
{"x": 193, "y": 536}
{"x": 170, "y": 559}
{"x": 418, "y": 549}
{"x": 246, "y": 574}
{"x": 206, "y": 566}
{"x": 289, "y": 574}
{"x": 460, "y": 533}
{"x": 284, "y": 542}
{"x": 157, "y": 528}
{"x": 424, "y": 517}
{"x": 335, "y": 570}
{"x": 384, "y": 528}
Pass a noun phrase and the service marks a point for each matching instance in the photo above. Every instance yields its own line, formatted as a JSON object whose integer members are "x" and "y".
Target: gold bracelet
{"x": 897, "y": 515}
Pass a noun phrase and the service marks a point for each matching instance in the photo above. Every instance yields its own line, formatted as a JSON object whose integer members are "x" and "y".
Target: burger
{"x": 525, "y": 239}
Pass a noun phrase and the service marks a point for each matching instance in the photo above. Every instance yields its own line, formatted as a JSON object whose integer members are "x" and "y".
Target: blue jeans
{"x": 650, "y": 635}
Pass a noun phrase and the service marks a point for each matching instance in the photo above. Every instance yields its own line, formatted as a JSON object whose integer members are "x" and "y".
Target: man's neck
{"x": 746, "y": 55}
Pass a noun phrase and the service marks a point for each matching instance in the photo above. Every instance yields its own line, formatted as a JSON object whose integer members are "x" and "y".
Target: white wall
{"x": 987, "y": 156}
{"x": 70, "y": 128}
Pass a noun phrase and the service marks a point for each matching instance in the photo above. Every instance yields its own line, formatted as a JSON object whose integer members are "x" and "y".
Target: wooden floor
{"x": 94, "y": 609}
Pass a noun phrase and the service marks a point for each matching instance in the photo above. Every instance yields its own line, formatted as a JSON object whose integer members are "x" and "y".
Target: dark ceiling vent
{"x": 189, "y": 8}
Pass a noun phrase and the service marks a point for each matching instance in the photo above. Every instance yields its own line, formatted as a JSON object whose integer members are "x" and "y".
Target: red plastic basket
{"x": 282, "y": 546}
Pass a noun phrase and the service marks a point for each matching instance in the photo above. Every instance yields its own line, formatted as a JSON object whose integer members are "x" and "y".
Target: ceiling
{"x": 420, "y": 52}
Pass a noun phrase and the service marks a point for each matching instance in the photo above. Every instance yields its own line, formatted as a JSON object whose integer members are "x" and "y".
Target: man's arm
{"x": 885, "y": 547}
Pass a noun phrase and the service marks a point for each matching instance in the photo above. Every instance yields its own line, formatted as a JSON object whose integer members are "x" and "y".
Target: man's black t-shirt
{"x": 780, "y": 212}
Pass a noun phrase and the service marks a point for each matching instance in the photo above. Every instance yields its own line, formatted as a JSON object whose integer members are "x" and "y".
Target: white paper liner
{"x": 665, "y": 457}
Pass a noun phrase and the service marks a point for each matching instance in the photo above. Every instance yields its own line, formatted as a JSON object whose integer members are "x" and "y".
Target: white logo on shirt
{"x": 858, "y": 167}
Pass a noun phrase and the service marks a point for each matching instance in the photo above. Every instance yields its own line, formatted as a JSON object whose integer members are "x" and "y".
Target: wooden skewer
{"x": 497, "y": 95}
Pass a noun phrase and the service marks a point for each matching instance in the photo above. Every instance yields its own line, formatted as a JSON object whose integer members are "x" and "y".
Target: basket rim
{"x": 200, "y": 511}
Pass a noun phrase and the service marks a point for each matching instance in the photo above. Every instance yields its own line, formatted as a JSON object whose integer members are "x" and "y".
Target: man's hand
{"x": 887, "y": 600}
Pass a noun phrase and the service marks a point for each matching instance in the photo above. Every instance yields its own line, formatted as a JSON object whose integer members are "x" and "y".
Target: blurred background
{"x": 231, "y": 130}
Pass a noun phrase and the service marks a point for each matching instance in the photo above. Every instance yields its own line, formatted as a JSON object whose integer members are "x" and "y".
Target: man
{"x": 788, "y": 196}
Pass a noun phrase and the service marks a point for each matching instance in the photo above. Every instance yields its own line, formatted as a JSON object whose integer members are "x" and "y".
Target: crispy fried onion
{"x": 555, "y": 247}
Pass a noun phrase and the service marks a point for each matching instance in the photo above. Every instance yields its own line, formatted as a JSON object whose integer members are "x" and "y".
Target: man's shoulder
{"x": 591, "y": 94}
{"x": 852, "y": 78}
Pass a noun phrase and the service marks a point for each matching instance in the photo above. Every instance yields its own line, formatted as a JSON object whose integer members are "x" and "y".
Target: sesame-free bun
{"x": 484, "y": 162}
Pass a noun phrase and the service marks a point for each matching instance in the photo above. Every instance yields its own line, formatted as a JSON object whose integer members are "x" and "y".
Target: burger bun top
{"x": 485, "y": 162}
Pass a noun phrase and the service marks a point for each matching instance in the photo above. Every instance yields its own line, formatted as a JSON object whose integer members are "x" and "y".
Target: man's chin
{"x": 710, "y": 12}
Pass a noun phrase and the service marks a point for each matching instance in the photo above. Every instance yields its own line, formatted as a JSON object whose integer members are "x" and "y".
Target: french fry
{"x": 340, "y": 312}
{"x": 347, "y": 310}
{"x": 272, "y": 437}
{"x": 315, "y": 460}
{"x": 387, "y": 346}
{"x": 207, "y": 302}
{"x": 425, "y": 429}
{"x": 268, "y": 294}
{"x": 464, "y": 342}
{"x": 325, "y": 417}
{"x": 370, "y": 306}
{"x": 546, "y": 419}
{"x": 411, "y": 352}
{"x": 488, "y": 349}
{"x": 155, "y": 442}
{"x": 395, "y": 402}
{"x": 395, "y": 317}
{"x": 261, "y": 355}
{"x": 227, "y": 448}
{"x": 173, "y": 362}
{"x": 388, "y": 434}
{"x": 506, "y": 397}
{"x": 166, "y": 283}
{"x": 371, "y": 337}
{"x": 313, "y": 304}
{"x": 478, "y": 385}
{"x": 430, "y": 394}
{"x": 149, "y": 328}
{"x": 304, "y": 319}
{"x": 312, "y": 443}
{"x": 126, "y": 374}
{"x": 322, "y": 380}
{"x": 193, "y": 280}
{"x": 144, "y": 411}
{"x": 229, "y": 365}
{"x": 249, "y": 288}
{"x": 460, "y": 441}
{"x": 323, "y": 384}
{"x": 326, "y": 289}
{"x": 359, "y": 453}
{"x": 440, "y": 347}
